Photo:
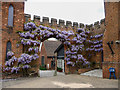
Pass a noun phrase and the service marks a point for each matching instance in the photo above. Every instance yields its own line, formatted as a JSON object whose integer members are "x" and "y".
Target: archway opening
{"x": 53, "y": 59}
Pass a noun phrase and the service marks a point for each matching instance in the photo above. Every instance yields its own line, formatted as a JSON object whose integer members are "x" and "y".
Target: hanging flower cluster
{"x": 26, "y": 58}
{"x": 15, "y": 69}
{"x": 10, "y": 64}
{"x": 30, "y": 42}
{"x": 75, "y": 51}
{"x": 96, "y": 36}
{"x": 11, "y": 61}
{"x": 10, "y": 54}
{"x": 96, "y": 43}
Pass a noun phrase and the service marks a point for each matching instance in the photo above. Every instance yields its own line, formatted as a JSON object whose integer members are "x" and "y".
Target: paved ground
{"x": 96, "y": 73}
{"x": 64, "y": 81}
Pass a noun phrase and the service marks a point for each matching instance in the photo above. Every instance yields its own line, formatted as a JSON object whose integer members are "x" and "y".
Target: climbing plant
{"x": 80, "y": 45}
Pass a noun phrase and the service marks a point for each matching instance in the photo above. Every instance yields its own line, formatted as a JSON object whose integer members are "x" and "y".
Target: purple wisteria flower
{"x": 64, "y": 32}
{"x": 80, "y": 30}
{"x": 30, "y": 26}
{"x": 87, "y": 49}
{"x": 83, "y": 34}
{"x": 74, "y": 39}
{"x": 41, "y": 26}
{"x": 95, "y": 42}
{"x": 7, "y": 63}
{"x": 79, "y": 41}
{"x": 15, "y": 69}
{"x": 97, "y": 46}
{"x": 13, "y": 59}
{"x": 20, "y": 59}
{"x": 87, "y": 32}
{"x": 28, "y": 43}
{"x": 100, "y": 41}
{"x": 74, "y": 56}
{"x": 26, "y": 58}
{"x": 73, "y": 53}
{"x": 26, "y": 66}
{"x": 36, "y": 49}
{"x": 68, "y": 52}
{"x": 67, "y": 43}
{"x": 68, "y": 55}
{"x": 78, "y": 36}
{"x": 30, "y": 49}
{"x": 91, "y": 37}
{"x": 89, "y": 41}
{"x": 80, "y": 56}
{"x": 32, "y": 35}
{"x": 67, "y": 59}
{"x": 91, "y": 46}
{"x": 73, "y": 48}
{"x": 36, "y": 55}
{"x": 98, "y": 36}
{"x": 10, "y": 54}
{"x": 68, "y": 39}
{"x": 7, "y": 69}
{"x": 98, "y": 50}
{"x": 92, "y": 49}
{"x": 69, "y": 63}
{"x": 70, "y": 33}
{"x": 86, "y": 63}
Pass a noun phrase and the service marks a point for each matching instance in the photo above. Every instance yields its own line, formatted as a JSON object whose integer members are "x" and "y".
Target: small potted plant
{"x": 59, "y": 69}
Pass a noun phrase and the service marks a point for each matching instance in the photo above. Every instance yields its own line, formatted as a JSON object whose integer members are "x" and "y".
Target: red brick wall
{"x": 0, "y": 32}
{"x": 119, "y": 39}
{"x": 111, "y": 34}
{"x": 18, "y": 25}
{"x": 11, "y": 35}
{"x": 43, "y": 53}
{"x": 97, "y": 58}
{"x": 66, "y": 66}
{"x": 49, "y": 62}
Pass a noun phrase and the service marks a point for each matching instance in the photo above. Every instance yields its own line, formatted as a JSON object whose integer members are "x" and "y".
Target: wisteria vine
{"x": 78, "y": 43}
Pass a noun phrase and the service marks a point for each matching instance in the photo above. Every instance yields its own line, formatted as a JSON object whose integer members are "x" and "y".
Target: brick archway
{"x": 55, "y": 57}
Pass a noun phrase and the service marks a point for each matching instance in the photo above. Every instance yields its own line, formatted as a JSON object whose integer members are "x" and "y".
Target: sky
{"x": 81, "y": 11}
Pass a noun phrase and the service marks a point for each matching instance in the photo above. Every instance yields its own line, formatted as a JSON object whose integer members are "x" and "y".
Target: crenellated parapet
{"x": 27, "y": 17}
{"x": 37, "y": 19}
{"x": 98, "y": 26}
{"x": 53, "y": 21}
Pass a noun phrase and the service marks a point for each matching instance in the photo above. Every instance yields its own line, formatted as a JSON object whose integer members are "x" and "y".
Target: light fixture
{"x": 117, "y": 41}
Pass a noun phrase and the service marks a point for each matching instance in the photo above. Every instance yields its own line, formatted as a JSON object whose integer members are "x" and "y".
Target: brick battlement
{"x": 61, "y": 23}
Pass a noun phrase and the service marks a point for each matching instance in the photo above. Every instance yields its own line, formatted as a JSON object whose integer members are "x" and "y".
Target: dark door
{"x": 102, "y": 56}
{"x": 42, "y": 61}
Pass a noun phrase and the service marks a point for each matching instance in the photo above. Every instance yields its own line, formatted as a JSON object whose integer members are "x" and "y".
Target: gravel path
{"x": 66, "y": 81}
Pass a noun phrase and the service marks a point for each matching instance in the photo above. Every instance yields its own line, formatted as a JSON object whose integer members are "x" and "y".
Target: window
{"x": 42, "y": 61}
{"x": 8, "y": 48}
{"x": 10, "y": 15}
